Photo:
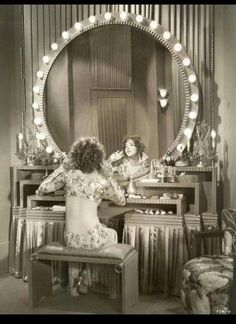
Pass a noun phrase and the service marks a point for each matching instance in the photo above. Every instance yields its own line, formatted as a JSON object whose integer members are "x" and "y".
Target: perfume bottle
{"x": 131, "y": 189}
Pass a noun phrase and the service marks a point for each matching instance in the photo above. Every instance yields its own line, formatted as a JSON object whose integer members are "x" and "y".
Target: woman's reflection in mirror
{"x": 131, "y": 161}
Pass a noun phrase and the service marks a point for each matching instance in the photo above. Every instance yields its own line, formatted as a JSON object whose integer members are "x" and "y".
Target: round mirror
{"x": 115, "y": 75}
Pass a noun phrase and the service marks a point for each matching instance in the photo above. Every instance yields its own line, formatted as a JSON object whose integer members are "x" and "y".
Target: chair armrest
{"x": 198, "y": 236}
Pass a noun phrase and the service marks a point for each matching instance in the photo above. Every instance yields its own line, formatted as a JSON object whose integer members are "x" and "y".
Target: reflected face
{"x": 130, "y": 148}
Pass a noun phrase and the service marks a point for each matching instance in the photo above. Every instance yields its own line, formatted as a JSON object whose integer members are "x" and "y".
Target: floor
{"x": 14, "y": 300}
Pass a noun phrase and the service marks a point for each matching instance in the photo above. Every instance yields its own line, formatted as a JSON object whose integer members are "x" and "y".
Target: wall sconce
{"x": 163, "y": 93}
{"x": 163, "y": 100}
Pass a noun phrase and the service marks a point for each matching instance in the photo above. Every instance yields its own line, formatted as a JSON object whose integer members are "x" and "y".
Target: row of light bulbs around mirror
{"x": 125, "y": 17}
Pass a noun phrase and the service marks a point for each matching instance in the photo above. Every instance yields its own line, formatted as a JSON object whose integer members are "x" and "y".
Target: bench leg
{"x": 40, "y": 281}
{"x": 130, "y": 284}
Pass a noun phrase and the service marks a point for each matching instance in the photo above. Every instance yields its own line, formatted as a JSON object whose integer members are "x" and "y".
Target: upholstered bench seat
{"x": 206, "y": 284}
{"x": 123, "y": 256}
{"x": 114, "y": 251}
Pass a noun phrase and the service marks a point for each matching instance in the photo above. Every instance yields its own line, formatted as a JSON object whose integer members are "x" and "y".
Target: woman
{"x": 87, "y": 180}
{"x": 131, "y": 162}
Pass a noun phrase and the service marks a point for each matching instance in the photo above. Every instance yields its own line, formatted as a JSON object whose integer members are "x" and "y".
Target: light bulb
{"x": 192, "y": 115}
{"x": 36, "y": 89}
{"x": 65, "y": 35}
{"x": 107, "y": 16}
{"x": 37, "y": 121}
{"x": 123, "y": 15}
{"x": 166, "y": 35}
{"x": 42, "y": 136}
{"x": 92, "y": 19}
{"x": 178, "y": 47}
{"x": 54, "y": 46}
{"x": 194, "y": 97}
{"x": 188, "y": 132}
{"x": 49, "y": 149}
{"x": 213, "y": 134}
{"x": 163, "y": 92}
{"x": 46, "y": 59}
{"x": 186, "y": 61}
{"x": 20, "y": 136}
{"x": 192, "y": 78}
{"x": 78, "y": 26}
{"x": 40, "y": 74}
{"x": 163, "y": 102}
{"x": 35, "y": 105}
{"x": 153, "y": 24}
{"x": 139, "y": 18}
{"x": 180, "y": 147}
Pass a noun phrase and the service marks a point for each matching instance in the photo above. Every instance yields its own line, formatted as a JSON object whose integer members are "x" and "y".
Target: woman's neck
{"x": 134, "y": 160}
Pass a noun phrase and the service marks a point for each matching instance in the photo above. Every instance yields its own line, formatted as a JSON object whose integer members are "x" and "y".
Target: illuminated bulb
{"x": 42, "y": 136}
{"x": 78, "y": 26}
{"x": 192, "y": 78}
{"x": 123, "y": 15}
{"x": 163, "y": 92}
{"x": 54, "y": 46}
{"x": 107, "y": 16}
{"x": 20, "y": 136}
{"x": 49, "y": 149}
{"x": 139, "y": 18}
{"x": 180, "y": 147}
{"x": 65, "y": 35}
{"x": 186, "y": 61}
{"x": 153, "y": 24}
{"x": 38, "y": 135}
{"x": 92, "y": 19}
{"x": 192, "y": 115}
{"x": 194, "y": 97}
{"x": 213, "y": 134}
{"x": 163, "y": 102}
{"x": 38, "y": 121}
{"x": 188, "y": 132}
{"x": 36, "y": 89}
{"x": 178, "y": 47}
{"x": 39, "y": 74}
{"x": 166, "y": 35}
{"x": 35, "y": 105}
{"x": 46, "y": 59}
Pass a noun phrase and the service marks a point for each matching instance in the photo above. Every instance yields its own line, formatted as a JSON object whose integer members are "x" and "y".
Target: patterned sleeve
{"x": 144, "y": 168}
{"x": 53, "y": 182}
{"x": 114, "y": 192}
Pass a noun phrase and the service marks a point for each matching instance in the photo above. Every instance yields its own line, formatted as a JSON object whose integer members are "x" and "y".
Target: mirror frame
{"x": 151, "y": 28}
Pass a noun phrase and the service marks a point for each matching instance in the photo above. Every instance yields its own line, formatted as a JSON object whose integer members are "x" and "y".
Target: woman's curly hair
{"x": 137, "y": 142}
{"x": 87, "y": 154}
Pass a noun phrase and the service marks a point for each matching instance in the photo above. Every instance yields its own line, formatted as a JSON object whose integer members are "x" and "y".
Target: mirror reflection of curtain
{"x": 105, "y": 84}
{"x": 112, "y": 117}
{"x": 111, "y": 86}
{"x": 58, "y": 113}
{"x": 178, "y": 97}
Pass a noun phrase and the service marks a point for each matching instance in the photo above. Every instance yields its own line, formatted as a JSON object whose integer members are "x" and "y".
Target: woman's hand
{"x": 38, "y": 192}
{"x": 116, "y": 156}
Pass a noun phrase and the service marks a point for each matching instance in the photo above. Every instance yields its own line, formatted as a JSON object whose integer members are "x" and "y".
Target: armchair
{"x": 207, "y": 280}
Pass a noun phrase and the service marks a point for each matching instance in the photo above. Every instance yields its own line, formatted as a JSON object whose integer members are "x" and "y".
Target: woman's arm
{"x": 114, "y": 192}
{"x": 53, "y": 182}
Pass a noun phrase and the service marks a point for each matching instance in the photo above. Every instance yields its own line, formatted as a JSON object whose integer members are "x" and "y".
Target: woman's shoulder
{"x": 93, "y": 176}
